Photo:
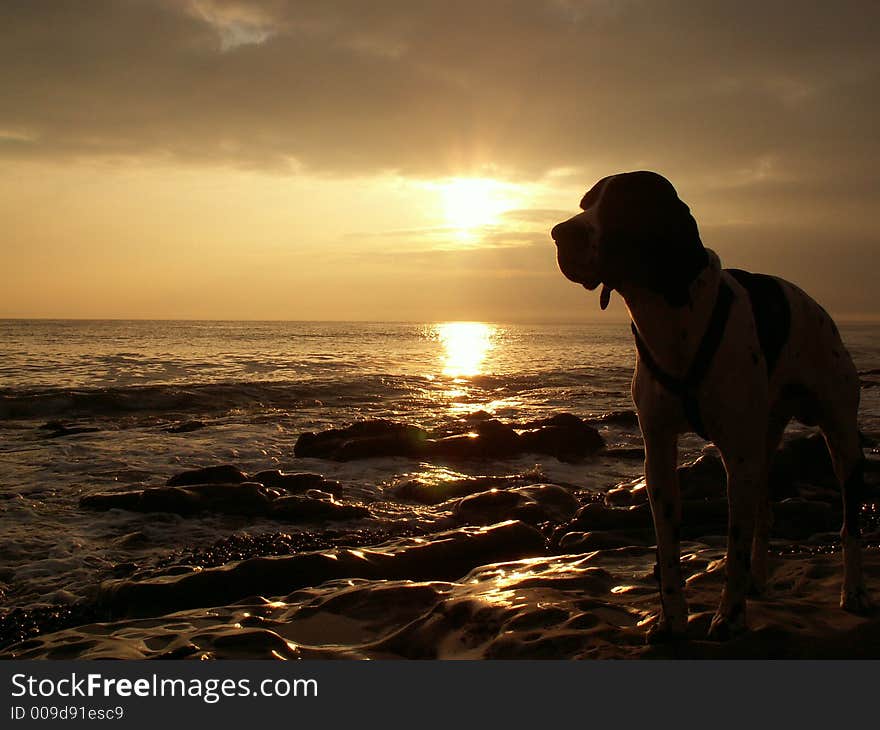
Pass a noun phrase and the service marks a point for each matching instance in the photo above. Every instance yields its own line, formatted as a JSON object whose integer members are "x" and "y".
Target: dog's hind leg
{"x": 842, "y": 436}
{"x": 661, "y": 455}
{"x": 764, "y": 513}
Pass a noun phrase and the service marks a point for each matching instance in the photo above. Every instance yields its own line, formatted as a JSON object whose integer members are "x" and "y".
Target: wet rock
{"x": 464, "y": 423}
{"x": 627, "y": 418}
{"x": 556, "y": 501}
{"x": 418, "y": 490}
{"x": 793, "y": 518}
{"x": 296, "y": 483}
{"x": 477, "y": 416}
{"x": 823, "y": 538}
{"x": 800, "y": 467}
{"x": 585, "y": 542}
{"x": 57, "y": 429}
{"x": 491, "y": 440}
{"x": 19, "y": 624}
{"x": 104, "y": 501}
{"x": 575, "y": 606}
{"x": 241, "y": 546}
{"x": 699, "y": 517}
{"x": 703, "y": 478}
{"x": 703, "y": 517}
{"x": 597, "y": 516}
{"x": 618, "y": 497}
{"x": 798, "y": 519}
{"x": 497, "y": 439}
{"x": 314, "y": 508}
{"x": 484, "y": 507}
{"x": 60, "y": 597}
{"x": 564, "y": 436}
{"x": 183, "y": 651}
{"x": 543, "y": 621}
{"x": 441, "y": 556}
{"x": 801, "y": 459}
{"x": 818, "y": 494}
{"x": 633, "y": 453}
{"x": 224, "y": 474}
{"x": 639, "y": 491}
{"x": 249, "y": 499}
{"x": 533, "y": 504}
{"x": 186, "y": 427}
{"x": 362, "y": 440}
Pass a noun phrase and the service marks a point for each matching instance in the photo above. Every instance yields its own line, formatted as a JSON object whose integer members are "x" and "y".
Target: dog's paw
{"x": 662, "y": 633}
{"x": 725, "y": 629}
{"x": 856, "y": 600}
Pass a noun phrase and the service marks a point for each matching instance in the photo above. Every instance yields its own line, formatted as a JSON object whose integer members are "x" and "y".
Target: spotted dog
{"x": 730, "y": 355}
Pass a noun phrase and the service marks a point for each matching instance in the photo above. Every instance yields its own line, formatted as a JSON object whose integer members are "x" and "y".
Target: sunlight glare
{"x": 465, "y": 346}
{"x": 469, "y": 203}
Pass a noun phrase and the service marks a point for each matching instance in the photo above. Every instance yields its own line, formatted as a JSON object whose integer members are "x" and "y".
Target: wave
{"x": 201, "y": 398}
{"x": 220, "y": 397}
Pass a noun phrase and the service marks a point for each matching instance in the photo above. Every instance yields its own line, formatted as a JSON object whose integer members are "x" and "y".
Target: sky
{"x": 338, "y": 159}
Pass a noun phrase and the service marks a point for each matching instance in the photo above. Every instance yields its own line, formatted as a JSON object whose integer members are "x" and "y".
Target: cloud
{"x": 434, "y": 88}
{"x": 515, "y": 228}
{"x": 542, "y": 216}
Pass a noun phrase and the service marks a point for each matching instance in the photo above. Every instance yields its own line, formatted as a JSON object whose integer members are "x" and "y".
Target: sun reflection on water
{"x": 465, "y": 346}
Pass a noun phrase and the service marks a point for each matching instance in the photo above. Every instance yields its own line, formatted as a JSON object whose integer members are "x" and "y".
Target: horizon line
{"x": 611, "y": 318}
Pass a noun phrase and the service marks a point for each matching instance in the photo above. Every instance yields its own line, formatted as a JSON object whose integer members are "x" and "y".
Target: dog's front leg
{"x": 661, "y": 455}
{"x": 746, "y": 480}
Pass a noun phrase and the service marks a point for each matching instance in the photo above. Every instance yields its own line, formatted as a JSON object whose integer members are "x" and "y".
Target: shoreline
{"x": 505, "y": 567}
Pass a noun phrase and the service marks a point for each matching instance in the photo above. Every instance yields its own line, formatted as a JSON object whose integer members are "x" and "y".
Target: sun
{"x": 470, "y": 203}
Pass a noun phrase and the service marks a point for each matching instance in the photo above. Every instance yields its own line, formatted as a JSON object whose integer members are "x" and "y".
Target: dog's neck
{"x": 673, "y": 334}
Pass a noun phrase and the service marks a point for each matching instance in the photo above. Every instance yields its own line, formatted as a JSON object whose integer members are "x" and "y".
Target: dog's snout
{"x": 559, "y": 230}
{"x": 570, "y": 231}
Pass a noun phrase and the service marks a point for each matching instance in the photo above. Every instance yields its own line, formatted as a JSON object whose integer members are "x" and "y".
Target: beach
{"x": 293, "y": 490}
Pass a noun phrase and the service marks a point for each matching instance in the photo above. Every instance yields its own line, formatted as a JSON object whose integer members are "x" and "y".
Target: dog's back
{"x": 807, "y": 363}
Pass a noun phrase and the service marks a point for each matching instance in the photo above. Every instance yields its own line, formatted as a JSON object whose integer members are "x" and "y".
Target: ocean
{"x": 249, "y": 389}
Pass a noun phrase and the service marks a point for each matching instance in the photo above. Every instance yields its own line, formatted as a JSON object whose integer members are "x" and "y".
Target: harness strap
{"x": 686, "y": 388}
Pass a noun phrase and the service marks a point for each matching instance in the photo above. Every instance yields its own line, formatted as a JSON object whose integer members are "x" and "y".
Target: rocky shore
{"x": 516, "y": 566}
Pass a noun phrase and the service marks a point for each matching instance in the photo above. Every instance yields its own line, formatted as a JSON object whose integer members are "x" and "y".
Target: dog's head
{"x": 634, "y": 230}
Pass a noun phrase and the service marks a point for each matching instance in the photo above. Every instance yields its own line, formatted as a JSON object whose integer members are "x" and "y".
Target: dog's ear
{"x": 649, "y": 236}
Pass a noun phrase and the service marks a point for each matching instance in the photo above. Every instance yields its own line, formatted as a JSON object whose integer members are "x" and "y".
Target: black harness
{"x": 686, "y": 388}
{"x": 772, "y": 315}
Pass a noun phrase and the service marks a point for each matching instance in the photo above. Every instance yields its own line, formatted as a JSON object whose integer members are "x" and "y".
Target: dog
{"x": 730, "y": 355}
